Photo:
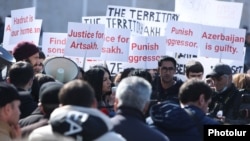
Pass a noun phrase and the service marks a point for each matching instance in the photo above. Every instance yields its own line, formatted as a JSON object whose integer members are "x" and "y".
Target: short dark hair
{"x": 194, "y": 66}
{"x": 77, "y": 92}
{"x": 126, "y": 72}
{"x": 167, "y": 58}
{"x": 141, "y": 73}
{"x": 8, "y": 93}
{"x": 20, "y": 73}
{"x": 191, "y": 90}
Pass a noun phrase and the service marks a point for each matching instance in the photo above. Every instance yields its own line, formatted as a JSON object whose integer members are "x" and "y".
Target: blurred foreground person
{"x": 78, "y": 118}
{"x": 9, "y": 112}
{"x": 131, "y": 103}
{"x": 185, "y": 122}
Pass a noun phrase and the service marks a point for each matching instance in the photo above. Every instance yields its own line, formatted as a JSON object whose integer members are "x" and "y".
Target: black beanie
{"x": 48, "y": 93}
{"x": 8, "y": 93}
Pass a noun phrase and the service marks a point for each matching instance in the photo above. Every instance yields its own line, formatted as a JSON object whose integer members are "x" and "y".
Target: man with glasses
{"x": 166, "y": 85}
{"x": 226, "y": 100}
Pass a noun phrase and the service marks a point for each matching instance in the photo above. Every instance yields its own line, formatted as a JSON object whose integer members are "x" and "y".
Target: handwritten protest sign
{"x": 84, "y": 40}
{"x": 116, "y": 45}
{"x": 135, "y": 26}
{"x": 183, "y": 37}
{"x": 24, "y": 26}
{"x": 154, "y": 21}
{"x": 145, "y": 51}
{"x": 207, "y": 12}
{"x": 6, "y": 37}
{"x": 224, "y": 43}
{"x": 209, "y": 41}
{"x": 53, "y": 44}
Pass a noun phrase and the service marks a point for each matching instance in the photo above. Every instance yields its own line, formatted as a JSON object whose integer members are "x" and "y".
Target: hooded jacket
{"x": 177, "y": 123}
{"x": 78, "y": 123}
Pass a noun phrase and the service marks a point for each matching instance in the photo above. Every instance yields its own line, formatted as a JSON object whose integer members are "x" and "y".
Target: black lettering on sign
{"x": 182, "y": 55}
{"x": 180, "y": 69}
{"x": 119, "y": 67}
{"x": 236, "y": 69}
{"x": 112, "y": 68}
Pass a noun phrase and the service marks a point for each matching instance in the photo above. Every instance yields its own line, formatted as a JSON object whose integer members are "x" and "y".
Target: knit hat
{"x": 24, "y": 50}
{"x": 48, "y": 93}
{"x": 8, "y": 93}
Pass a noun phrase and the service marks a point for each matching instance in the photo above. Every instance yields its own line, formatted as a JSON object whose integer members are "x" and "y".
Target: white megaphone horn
{"x": 6, "y": 60}
{"x": 61, "y": 68}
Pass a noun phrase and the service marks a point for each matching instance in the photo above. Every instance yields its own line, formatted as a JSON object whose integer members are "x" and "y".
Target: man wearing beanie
{"x": 29, "y": 52}
{"x": 9, "y": 112}
{"x": 48, "y": 101}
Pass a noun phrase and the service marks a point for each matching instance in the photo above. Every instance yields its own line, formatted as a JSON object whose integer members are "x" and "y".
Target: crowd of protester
{"x": 136, "y": 104}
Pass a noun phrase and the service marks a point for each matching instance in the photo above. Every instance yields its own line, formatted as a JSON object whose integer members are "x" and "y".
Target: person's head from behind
{"x": 141, "y": 73}
{"x": 167, "y": 68}
{"x": 126, "y": 72}
{"x": 9, "y": 104}
{"x": 99, "y": 79}
{"x": 78, "y": 93}
{"x": 221, "y": 75}
{"x": 27, "y": 51}
{"x": 194, "y": 69}
{"x": 21, "y": 74}
{"x": 195, "y": 92}
{"x": 43, "y": 78}
{"x": 40, "y": 79}
{"x": 133, "y": 92}
{"x": 242, "y": 81}
{"x": 48, "y": 97}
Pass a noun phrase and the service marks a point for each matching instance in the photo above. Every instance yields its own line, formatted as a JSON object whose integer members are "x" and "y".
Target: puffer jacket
{"x": 79, "y": 123}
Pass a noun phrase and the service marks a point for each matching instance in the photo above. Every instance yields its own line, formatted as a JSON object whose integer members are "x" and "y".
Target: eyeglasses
{"x": 165, "y": 69}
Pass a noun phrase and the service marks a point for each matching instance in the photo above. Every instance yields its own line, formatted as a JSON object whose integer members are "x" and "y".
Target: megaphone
{"x": 61, "y": 68}
{"x": 6, "y": 60}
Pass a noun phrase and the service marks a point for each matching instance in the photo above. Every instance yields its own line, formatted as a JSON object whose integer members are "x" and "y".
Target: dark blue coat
{"x": 177, "y": 124}
{"x": 130, "y": 123}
